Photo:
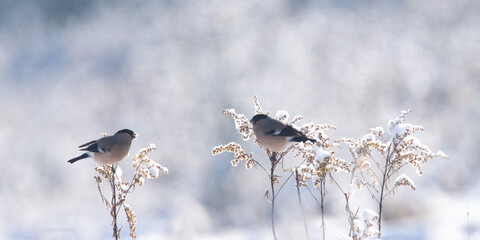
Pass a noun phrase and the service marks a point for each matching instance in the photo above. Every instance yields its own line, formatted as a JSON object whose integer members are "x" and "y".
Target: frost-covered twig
{"x": 273, "y": 180}
{"x": 144, "y": 167}
{"x": 376, "y": 161}
{"x": 300, "y": 203}
{"x": 400, "y": 149}
{"x": 316, "y": 162}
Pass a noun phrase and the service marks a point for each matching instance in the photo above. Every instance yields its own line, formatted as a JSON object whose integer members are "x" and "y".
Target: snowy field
{"x": 72, "y": 70}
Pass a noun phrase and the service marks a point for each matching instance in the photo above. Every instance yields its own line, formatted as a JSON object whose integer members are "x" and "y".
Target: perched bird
{"x": 108, "y": 150}
{"x": 275, "y": 135}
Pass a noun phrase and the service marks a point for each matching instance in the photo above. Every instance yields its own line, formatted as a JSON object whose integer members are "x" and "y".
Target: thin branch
{"x": 114, "y": 204}
{"x": 397, "y": 169}
{"x": 291, "y": 174}
{"x": 283, "y": 184}
{"x": 272, "y": 185}
{"x": 301, "y": 205}
{"x": 384, "y": 181}
{"x": 104, "y": 199}
{"x": 313, "y": 195}
{"x": 322, "y": 206}
{"x": 368, "y": 187}
{"x": 336, "y": 183}
{"x": 351, "y": 216}
{"x": 370, "y": 191}
{"x": 378, "y": 166}
{"x": 264, "y": 169}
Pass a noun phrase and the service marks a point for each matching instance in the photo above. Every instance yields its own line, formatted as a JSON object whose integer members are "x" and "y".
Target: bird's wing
{"x": 92, "y": 148}
{"x": 102, "y": 145}
{"x": 86, "y": 144}
{"x": 106, "y": 144}
{"x": 287, "y": 131}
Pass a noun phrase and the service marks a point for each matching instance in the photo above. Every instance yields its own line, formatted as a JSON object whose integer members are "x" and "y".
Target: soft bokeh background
{"x": 71, "y": 70}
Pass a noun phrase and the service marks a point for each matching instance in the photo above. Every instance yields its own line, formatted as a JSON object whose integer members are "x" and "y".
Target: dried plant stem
{"x": 114, "y": 204}
{"x": 273, "y": 179}
{"x": 283, "y": 184}
{"x": 322, "y": 206}
{"x": 301, "y": 205}
{"x": 380, "y": 206}
{"x": 382, "y": 190}
{"x": 351, "y": 215}
{"x": 144, "y": 168}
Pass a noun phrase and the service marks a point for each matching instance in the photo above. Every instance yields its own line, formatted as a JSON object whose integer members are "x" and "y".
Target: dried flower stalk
{"x": 145, "y": 168}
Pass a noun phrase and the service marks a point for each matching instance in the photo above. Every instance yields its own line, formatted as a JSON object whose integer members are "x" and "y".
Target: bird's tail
{"x": 85, "y": 155}
{"x": 303, "y": 139}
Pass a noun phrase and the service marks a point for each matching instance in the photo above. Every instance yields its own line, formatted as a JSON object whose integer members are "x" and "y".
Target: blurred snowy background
{"x": 71, "y": 70}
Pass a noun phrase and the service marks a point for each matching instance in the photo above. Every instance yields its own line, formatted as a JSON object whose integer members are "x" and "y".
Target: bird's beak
{"x": 135, "y": 135}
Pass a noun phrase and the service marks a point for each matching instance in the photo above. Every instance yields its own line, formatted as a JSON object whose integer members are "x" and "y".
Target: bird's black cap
{"x": 129, "y": 132}
{"x": 258, "y": 117}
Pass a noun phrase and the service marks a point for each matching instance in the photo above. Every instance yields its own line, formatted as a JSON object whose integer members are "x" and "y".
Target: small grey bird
{"x": 108, "y": 150}
{"x": 275, "y": 135}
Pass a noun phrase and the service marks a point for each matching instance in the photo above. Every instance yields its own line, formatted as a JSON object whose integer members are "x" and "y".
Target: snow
{"x": 377, "y": 130}
{"x": 119, "y": 172}
{"x": 167, "y": 70}
{"x": 355, "y": 186}
{"x": 414, "y": 141}
{"x": 282, "y": 115}
{"x": 153, "y": 170}
{"x": 231, "y": 110}
{"x": 369, "y": 220}
{"x": 442, "y": 154}
{"x": 399, "y": 130}
{"x": 320, "y": 154}
{"x": 403, "y": 179}
{"x": 369, "y": 215}
{"x": 368, "y": 137}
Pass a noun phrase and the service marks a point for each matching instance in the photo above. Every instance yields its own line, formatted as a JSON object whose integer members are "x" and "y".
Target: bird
{"x": 274, "y": 135}
{"x": 108, "y": 150}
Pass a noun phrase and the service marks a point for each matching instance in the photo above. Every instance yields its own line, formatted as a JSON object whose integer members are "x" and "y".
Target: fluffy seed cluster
{"x": 242, "y": 123}
{"x": 144, "y": 168}
{"x": 376, "y": 160}
{"x": 243, "y": 126}
{"x": 401, "y": 148}
{"x": 404, "y": 148}
{"x": 240, "y": 154}
{"x": 317, "y": 160}
{"x": 132, "y": 220}
{"x": 404, "y": 180}
{"x": 295, "y": 120}
{"x": 104, "y": 171}
{"x": 316, "y": 131}
{"x": 317, "y": 163}
{"x": 258, "y": 109}
{"x": 365, "y": 225}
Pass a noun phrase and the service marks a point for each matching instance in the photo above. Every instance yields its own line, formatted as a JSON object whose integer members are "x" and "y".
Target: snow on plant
{"x": 317, "y": 164}
{"x": 316, "y": 160}
{"x": 398, "y": 150}
{"x": 241, "y": 123}
{"x": 145, "y": 168}
{"x": 376, "y": 161}
{"x": 366, "y": 225}
{"x": 404, "y": 180}
{"x": 236, "y": 149}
